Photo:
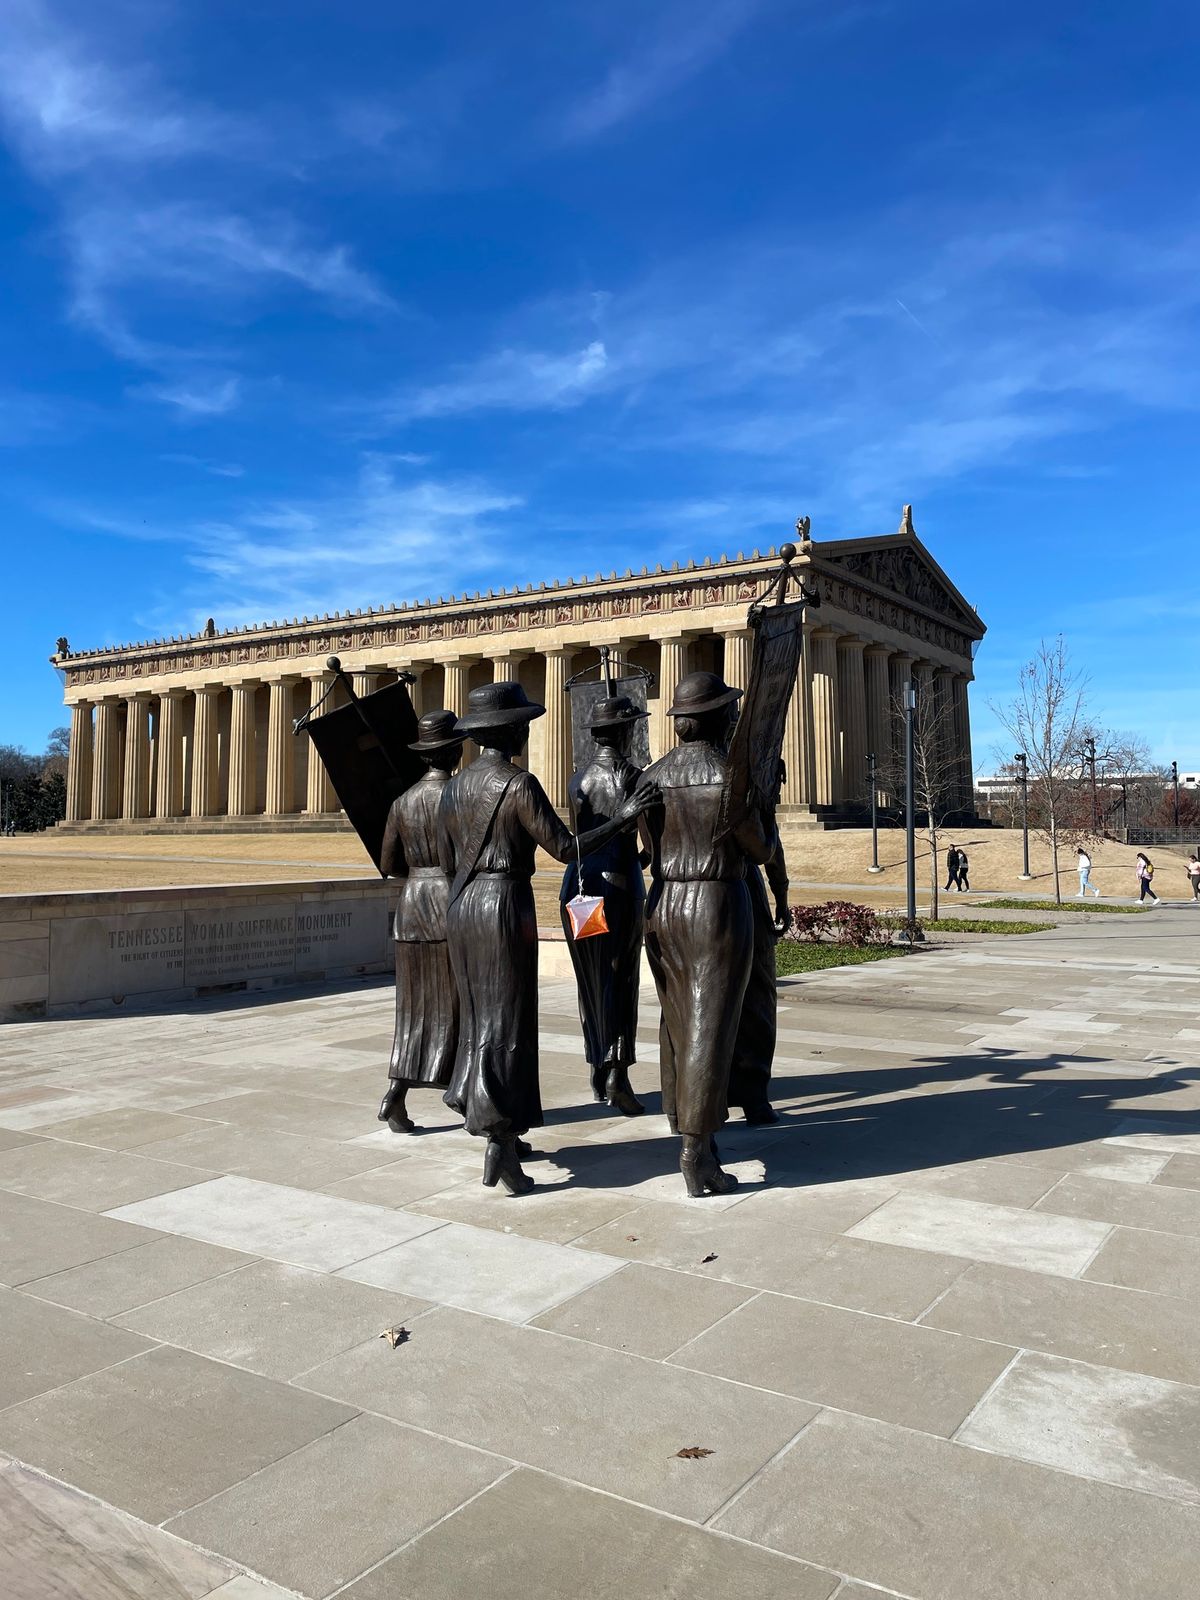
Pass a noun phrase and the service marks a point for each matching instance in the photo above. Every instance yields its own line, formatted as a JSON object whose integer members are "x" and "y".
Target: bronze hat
{"x": 699, "y": 692}
{"x": 497, "y": 705}
{"x": 613, "y": 711}
{"x": 437, "y": 730}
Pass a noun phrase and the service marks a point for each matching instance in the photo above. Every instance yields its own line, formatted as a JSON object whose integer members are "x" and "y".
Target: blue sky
{"x": 306, "y": 306}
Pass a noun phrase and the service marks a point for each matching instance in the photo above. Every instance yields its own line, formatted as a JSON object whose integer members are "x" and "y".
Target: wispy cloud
{"x": 672, "y": 49}
{"x": 510, "y": 380}
{"x": 196, "y": 399}
{"x": 215, "y": 469}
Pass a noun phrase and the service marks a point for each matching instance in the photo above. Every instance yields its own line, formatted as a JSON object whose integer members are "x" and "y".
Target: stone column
{"x": 962, "y": 740}
{"x": 900, "y": 670}
{"x": 737, "y": 657}
{"x": 280, "y": 749}
{"x": 365, "y": 683}
{"x": 943, "y": 727}
{"x": 135, "y": 790}
{"x": 455, "y": 692}
{"x": 79, "y": 763}
{"x": 243, "y": 764}
{"x": 319, "y": 798}
{"x": 104, "y": 761}
{"x": 507, "y": 669}
{"x": 852, "y": 711}
{"x": 672, "y": 665}
{"x": 558, "y": 728}
{"x": 204, "y": 751}
{"x": 879, "y": 721}
{"x": 168, "y": 784}
{"x": 826, "y": 763}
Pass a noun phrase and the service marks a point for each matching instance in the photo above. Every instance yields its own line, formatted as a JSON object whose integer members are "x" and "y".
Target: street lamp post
{"x": 1022, "y": 765}
{"x": 912, "y": 932}
{"x": 1175, "y": 782}
{"x": 874, "y": 867}
{"x": 1089, "y": 753}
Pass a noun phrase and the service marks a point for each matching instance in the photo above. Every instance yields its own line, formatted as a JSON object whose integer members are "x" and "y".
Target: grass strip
{"x": 979, "y": 925}
{"x": 792, "y": 958}
{"x": 1068, "y": 904}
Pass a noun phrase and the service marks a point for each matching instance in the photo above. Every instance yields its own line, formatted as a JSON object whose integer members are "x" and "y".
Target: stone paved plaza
{"x": 941, "y": 1344}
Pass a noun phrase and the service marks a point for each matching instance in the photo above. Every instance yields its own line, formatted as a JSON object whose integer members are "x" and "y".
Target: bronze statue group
{"x": 462, "y": 846}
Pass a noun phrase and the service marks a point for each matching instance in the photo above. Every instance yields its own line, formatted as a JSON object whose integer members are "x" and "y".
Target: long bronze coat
{"x": 491, "y": 932}
{"x": 699, "y": 935}
{"x": 754, "y": 1047}
{"x": 426, "y": 1035}
{"x": 607, "y": 965}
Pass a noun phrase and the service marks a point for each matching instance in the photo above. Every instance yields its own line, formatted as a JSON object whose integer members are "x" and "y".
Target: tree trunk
{"x": 1054, "y": 859}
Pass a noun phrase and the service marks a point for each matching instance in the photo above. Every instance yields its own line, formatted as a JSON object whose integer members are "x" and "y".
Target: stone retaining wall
{"x": 63, "y": 953}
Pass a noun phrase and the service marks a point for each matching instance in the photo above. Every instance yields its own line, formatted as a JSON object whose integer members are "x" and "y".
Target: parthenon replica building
{"x": 196, "y": 732}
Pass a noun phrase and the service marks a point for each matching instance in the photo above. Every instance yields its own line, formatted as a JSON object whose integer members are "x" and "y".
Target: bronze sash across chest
{"x": 495, "y": 787}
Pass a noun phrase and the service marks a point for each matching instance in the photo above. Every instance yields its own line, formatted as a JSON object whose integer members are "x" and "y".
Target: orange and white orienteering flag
{"x": 586, "y": 912}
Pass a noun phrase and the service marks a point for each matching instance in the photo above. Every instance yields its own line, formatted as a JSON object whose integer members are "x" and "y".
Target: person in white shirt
{"x": 1085, "y": 867}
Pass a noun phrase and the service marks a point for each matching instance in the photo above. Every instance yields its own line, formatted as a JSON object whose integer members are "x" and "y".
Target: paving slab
{"x": 164, "y": 1430}
{"x": 1033, "y": 1239}
{"x": 1121, "y": 1427}
{"x": 269, "y": 1219}
{"x": 601, "y": 1417}
{"x": 871, "y": 1365}
{"x": 273, "y": 1319}
{"x": 119, "y": 1282}
{"x": 1137, "y": 1332}
{"x": 93, "y": 1180}
{"x": 320, "y": 1516}
{"x": 1160, "y": 1263}
{"x": 45, "y": 1346}
{"x": 474, "y": 1269}
{"x": 126, "y": 1128}
{"x": 265, "y": 1153}
{"x": 1141, "y": 1205}
{"x": 933, "y": 1519}
{"x": 38, "y": 1238}
{"x": 567, "y": 1540}
{"x": 646, "y": 1310}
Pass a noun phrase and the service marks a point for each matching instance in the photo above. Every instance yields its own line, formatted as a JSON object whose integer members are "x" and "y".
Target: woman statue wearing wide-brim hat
{"x": 494, "y": 816}
{"x": 699, "y": 922}
{"x": 607, "y": 965}
{"x": 426, "y": 1037}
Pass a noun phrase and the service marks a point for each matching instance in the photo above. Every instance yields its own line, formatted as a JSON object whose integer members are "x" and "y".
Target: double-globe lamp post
{"x": 1022, "y": 764}
{"x": 909, "y": 703}
{"x": 871, "y": 784}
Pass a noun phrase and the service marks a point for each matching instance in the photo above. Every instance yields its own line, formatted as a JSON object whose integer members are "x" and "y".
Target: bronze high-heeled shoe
{"x": 701, "y": 1174}
{"x": 501, "y": 1165}
{"x": 392, "y": 1111}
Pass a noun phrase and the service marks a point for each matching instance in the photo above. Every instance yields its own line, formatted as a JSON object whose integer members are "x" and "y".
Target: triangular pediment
{"x": 900, "y": 565}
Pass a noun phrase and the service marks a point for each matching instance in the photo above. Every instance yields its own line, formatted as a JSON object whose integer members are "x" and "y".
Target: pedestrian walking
{"x": 1085, "y": 875}
{"x": 964, "y": 866}
{"x": 951, "y": 868}
{"x": 1193, "y": 872}
{"x": 1145, "y": 873}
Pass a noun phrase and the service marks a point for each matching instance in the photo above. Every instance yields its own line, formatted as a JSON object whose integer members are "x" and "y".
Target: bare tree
{"x": 1046, "y": 720}
{"x": 937, "y": 773}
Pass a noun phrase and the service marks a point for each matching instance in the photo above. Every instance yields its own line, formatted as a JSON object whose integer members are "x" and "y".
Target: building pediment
{"x": 901, "y": 566}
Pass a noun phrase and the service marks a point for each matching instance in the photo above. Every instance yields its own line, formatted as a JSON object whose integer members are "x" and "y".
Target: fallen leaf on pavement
{"x": 395, "y": 1336}
{"x": 693, "y": 1452}
{"x": 711, "y": 1256}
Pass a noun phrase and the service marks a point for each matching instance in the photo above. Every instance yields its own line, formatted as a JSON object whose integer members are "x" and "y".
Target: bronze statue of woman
{"x": 699, "y": 922}
{"x": 493, "y": 817}
{"x": 607, "y": 965}
{"x": 426, "y": 1034}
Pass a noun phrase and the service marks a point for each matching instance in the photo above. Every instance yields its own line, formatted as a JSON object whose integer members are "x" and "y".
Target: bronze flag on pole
{"x": 364, "y": 746}
{"x": 777, "y": 638}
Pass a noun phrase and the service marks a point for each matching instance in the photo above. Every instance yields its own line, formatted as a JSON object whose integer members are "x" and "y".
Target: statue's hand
{"x": 782, "y": 919}
{"x": 646, "y": 795}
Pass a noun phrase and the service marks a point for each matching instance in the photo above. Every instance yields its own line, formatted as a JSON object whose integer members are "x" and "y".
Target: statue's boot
{"x": 392, "y": 1109}
{"x": 760, "y": 1112}
{"x": 524, "y": 1150}
{"x": 502, "y": 1165}
{"x": 618, "y": 1091}
{"x": 701, "y": 1173}
{"x": 599, "y": 1082}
